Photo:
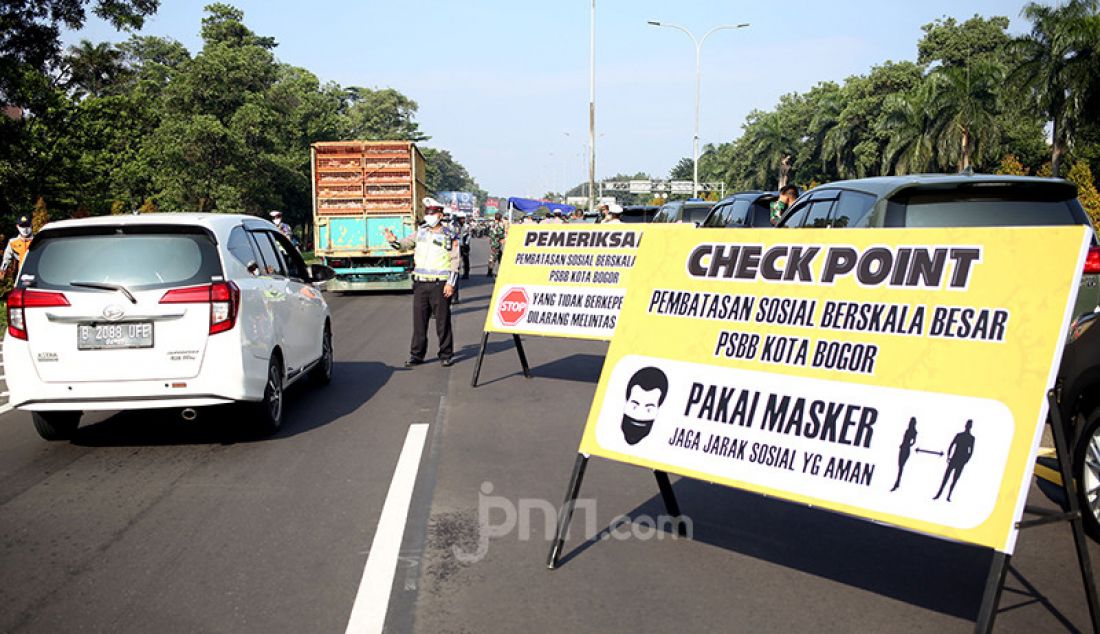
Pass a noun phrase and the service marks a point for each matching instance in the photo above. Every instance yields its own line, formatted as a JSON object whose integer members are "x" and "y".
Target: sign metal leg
{"x": 669, "y": 497}
{"x": 994, "y": 583}
{"x": 522, "y": 356}
{"x": 1069, "y": 487}
{"x": 565, "y": 514}
{"x": 480, "y": 358}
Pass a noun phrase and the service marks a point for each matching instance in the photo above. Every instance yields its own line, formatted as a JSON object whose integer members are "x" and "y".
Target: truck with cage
{"x": 360, "y": 189}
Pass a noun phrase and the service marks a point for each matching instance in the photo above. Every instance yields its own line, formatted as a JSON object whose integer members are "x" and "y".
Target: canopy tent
{"x": 528, "y": 205}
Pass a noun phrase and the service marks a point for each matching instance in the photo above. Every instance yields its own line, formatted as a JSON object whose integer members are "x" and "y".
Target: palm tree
{"x": 828, "y": 107}
{"x": 93, "y": 68}
{"x": 770, "y": 146}
{"x": 1058, "y": 67}
{"x": 962, "y": 101}
{"x": 839, "y": 146}
{"x": 908, "y": 123}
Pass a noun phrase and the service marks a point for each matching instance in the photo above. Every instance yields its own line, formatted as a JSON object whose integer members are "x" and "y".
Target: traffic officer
{"x": 436, "y": 260}
{"x": 284, "y": 228}
{"x": 613, "y": 214}
{"x": 463, "y": 231}
{"x": 17, "y": 247}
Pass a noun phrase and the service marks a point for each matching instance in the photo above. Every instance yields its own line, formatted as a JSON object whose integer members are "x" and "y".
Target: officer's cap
{"x": 431, "y": 203}
{"x": 23, "y": 222}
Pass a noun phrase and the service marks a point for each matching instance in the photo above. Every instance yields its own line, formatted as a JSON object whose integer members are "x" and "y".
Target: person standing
{"x": 284, "y": 228}
{"x": 612, "y": 214}
{"x": 435, "y": 275}
{"x": 498, "y": 232}
{"x": 17, "y": 247}
{"x": 554, "y": 218}
{"x": 787, "y": 196}
{"x": 463, "y": 231}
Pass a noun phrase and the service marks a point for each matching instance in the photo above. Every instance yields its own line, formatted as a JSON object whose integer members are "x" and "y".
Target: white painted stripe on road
{"x": 5, "y": 408}
{"x": 368, "y": 614}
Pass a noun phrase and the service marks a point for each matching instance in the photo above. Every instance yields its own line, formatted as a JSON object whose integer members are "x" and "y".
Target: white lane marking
{"x": 368, "y": 614}
{"x": 5, "y": 408}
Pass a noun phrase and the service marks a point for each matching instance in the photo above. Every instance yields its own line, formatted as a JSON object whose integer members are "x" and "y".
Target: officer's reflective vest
{"x": 432, "y": 257}
{"x": 19, "y": 246}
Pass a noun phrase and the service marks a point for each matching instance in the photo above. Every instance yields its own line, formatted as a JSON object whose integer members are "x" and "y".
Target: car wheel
{"x": 56, "y": 425}
{"x": 322, "y": 372}
{"x": 1086, "y": 471}
{"x": 268, "y": 413}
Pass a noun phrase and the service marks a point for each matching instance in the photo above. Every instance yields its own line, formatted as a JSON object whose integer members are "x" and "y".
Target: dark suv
{"x": 993, "y": 201}
{"x": 694, "y": 211}
{"x": 743, "y": 209}
{"x": 941, "y": 200}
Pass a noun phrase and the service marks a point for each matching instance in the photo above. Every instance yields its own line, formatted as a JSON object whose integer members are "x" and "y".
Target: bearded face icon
{"x": 645, "y": 393}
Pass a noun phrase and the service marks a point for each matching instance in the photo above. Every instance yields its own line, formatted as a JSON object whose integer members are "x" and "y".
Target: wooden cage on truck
{"x": 360, "y": 189}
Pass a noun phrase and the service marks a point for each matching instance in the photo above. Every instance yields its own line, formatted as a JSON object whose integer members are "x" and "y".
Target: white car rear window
{"x": 136, "y": 260}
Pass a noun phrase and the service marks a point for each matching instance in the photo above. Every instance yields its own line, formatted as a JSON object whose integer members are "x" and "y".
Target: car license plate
{"x": 134, "y": 334}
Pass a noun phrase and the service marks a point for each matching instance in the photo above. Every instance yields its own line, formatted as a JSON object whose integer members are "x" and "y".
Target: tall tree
{"x": 964, "y": 100}
{"x": 381, "y": 114}
{"x": 30, "y": 37}
{"x": 1059, "y": 68}
{"x": 908, "y": 122}
{"x": 771, "y": 145}
{"x": 684, "y": 169}
{"x": 93, "y": 68}
{"x": 212, "y": 150}
{"x": 948, "y": 42}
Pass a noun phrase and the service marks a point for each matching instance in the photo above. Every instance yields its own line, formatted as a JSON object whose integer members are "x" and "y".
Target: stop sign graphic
{"x": 512, "y": 306}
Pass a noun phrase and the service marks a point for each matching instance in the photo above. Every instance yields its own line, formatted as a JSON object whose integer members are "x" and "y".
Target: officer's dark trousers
{"x": 465, "y": 252}
{"x": 428, "y": 300}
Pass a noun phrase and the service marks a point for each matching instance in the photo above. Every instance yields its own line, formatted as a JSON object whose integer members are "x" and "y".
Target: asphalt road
{"x": 147, "y": 523}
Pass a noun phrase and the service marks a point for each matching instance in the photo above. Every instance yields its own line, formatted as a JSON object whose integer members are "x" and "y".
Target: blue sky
{"x": 499, "y": 83}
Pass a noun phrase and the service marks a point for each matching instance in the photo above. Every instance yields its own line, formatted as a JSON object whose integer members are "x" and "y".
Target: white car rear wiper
{"x": 107, "y": 286}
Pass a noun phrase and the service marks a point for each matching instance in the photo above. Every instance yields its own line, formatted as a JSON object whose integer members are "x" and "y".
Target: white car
{"x": 163, "y": 311}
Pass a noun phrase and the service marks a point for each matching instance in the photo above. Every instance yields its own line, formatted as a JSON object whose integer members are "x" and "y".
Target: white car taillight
{"x": 21, "y": 299}
{"x": 224, "y": 299}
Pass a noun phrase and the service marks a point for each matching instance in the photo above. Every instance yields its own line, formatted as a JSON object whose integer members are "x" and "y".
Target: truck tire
{"x": 56, "y": 425}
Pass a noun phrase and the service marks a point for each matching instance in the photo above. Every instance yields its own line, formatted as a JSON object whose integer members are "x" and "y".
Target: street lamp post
{"x": 592, "y": 108}
{"x": 590, "y": 155}
{"x": 698, "y": 81}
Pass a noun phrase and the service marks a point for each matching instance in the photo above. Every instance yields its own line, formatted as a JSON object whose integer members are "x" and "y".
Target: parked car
{"x": 163, "y": 311}
{"x": 955, "y": 200}
{"x": 1077, "y": 390}
{"x": 988, "y": 201}
{"x": 692, "y": 210}
{"x": 743, "y": 209}
{"x": 638, "y": 213}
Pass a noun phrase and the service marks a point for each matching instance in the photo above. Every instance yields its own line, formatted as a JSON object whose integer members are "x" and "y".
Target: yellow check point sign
{"x": 896, "y": 375}
{"x": 565, "y": 281}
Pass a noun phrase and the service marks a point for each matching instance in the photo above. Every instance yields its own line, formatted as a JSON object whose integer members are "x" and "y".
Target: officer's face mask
{"x": 431, "y": 219}
{"x": 25, "y": 232}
